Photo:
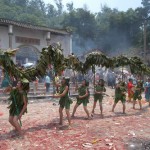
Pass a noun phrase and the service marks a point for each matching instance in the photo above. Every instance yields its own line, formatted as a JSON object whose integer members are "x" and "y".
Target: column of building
{"x": 10, "y": 34}
{"x": 48, "y": 38}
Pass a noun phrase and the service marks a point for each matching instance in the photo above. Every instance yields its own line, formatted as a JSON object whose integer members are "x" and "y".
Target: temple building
{"x": 30, "y": 39}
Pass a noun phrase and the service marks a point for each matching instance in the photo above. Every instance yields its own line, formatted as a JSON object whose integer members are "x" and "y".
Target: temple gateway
{"x": 30, "y": 39}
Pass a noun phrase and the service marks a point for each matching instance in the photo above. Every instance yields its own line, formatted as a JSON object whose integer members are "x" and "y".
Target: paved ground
{"x": 42, "y": 132}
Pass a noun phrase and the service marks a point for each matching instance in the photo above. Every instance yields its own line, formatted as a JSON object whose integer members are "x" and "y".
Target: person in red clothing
{"x": 130, "y": 90}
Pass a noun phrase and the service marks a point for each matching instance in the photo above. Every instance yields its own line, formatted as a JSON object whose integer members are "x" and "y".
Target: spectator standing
{"x": 47, "y": 83}
{"x": 147, "y": 91}
{"x": 57, "y": 82}
{"x": 130, "y": 89}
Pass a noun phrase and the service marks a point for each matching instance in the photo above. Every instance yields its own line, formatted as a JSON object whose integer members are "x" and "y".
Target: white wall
{"x": 4, "y": 38}
{"x": 23, "y": 32}
{"x": 65, "y": 40}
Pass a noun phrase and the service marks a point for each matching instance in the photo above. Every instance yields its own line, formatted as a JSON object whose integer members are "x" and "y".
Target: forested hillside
{"x": 110, "y": 30}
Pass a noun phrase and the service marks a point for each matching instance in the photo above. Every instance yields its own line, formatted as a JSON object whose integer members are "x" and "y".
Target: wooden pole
{"x": 122, "y": 73}
{"x": 74, "y": 76}
{"x": 145, "y": 41}
{"x": 145, "y": 38}
{"x": 93, "y": 69}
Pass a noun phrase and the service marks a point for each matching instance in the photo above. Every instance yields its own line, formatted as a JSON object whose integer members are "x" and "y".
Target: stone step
{"x": 44, "y": 96}
{"x": 51, "y": 87}
{"x": 43, "y": 86}
{"x": 47, "y": 97}
{"x": 38, "y": 96}
{"x": 41, "y": 92}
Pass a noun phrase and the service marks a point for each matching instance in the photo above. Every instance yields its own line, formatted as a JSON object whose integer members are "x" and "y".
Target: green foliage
{"x": 82, "y": 21}
{"x": 109, "y": 29}
{"x": 54, "y": 55}
{"x": 70, "y": 6}
{"x": 146, "y": 7}
{"x": 59, "y": 6}
{"x": 51, "y": 55}
{"x": 51, "y": 11}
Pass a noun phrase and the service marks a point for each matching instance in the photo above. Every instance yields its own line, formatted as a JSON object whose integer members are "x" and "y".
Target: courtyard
{"x": 116, "y": 131}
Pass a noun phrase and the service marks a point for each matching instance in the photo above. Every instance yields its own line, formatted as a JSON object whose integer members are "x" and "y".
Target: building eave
{"x": 31, "y": 26}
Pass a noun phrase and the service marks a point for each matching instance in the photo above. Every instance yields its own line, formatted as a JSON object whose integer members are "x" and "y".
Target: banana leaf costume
{"x": 16, "y": 102}
{"x": 120, "y": 92}
{"x": 82, "y": 91}
{"x": 99, "y": 88}
{"x": 64, "y": 101}
{"x": 138, "y": 91}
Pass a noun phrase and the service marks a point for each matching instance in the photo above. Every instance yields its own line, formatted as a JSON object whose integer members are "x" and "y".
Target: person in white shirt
{"x": 47, "y": 83}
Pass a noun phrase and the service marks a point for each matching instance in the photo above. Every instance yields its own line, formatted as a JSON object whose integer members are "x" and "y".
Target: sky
{"x": 95, "y": 5}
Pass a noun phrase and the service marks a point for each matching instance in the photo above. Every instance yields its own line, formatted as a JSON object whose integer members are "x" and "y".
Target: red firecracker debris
{"x": 116, "y": 131}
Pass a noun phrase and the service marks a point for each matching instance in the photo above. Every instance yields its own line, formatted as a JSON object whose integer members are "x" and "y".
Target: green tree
{"x": 146, "y": 6}
{"x": 51, "y": 11}
{"x": 83, "y": 22}
{"x": 109, "y": 29}
{"x": 59, "y": 6}
{"x": 22, "y": 3}
{"x": 70, "y": 7}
